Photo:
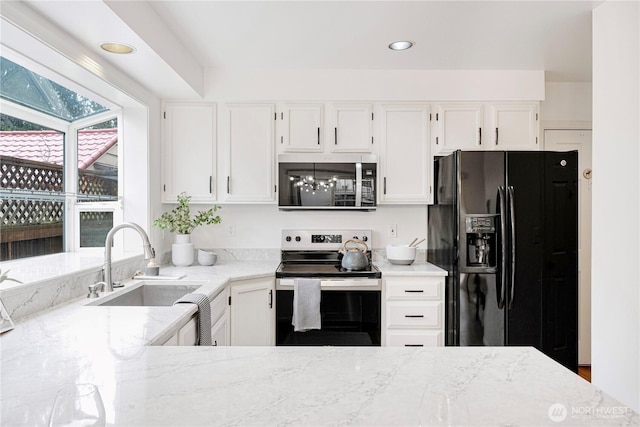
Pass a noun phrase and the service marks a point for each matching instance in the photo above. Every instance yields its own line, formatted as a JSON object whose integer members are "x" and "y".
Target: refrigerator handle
{"x": 512, "y": 220}
{"x": 502, "y": 206}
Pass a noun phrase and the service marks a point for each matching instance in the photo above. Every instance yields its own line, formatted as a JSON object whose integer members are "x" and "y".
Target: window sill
{"x": 51, "y": 280}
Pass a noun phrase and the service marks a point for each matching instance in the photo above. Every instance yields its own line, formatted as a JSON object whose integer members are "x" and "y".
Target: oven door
{"x": 350, "y": 314}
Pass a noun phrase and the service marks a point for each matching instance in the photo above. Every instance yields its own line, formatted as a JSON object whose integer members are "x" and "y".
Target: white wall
{"x": 259, "y": 226}
{"x": 616, "y": 201}
{"x": 378, "y": 85}
{"x": 566, "y": 102}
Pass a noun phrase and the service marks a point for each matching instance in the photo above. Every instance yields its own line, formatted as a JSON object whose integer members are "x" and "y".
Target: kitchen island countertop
{"x": 145, "y": 385}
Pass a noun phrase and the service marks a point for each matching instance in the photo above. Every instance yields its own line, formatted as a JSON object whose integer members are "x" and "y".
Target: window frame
{"x": 71, "y": 222}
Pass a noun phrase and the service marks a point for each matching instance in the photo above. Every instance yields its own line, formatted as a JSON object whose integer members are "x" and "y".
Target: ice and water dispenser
{"x": 481, "y": 240}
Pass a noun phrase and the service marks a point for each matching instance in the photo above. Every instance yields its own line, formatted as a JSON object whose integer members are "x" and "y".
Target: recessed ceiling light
{"x": 400, "y": 45}
{"x": 119, "y": 48}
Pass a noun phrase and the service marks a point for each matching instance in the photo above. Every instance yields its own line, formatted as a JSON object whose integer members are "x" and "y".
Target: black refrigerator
{"x": 504, "y": 224}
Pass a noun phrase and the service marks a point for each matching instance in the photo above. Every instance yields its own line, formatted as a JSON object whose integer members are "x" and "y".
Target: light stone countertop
{"x": 143, "y": 385}
{"x": 415, "y": 269}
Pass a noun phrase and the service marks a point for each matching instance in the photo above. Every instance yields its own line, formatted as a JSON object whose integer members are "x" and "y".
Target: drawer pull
{"x": 414, "y": 345}
{"x": 414, "y": 315}
{"x": 414, "y": 291}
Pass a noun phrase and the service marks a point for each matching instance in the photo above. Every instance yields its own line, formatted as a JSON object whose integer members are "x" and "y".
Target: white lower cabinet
{"x": 414, "y": 311}
{"x": 220, "y": 331}
{"x": 188, "y": 334}
{"x": 220, "y": 327}
{"x": 172, "y": 341}
{"x": 252, "y": 312}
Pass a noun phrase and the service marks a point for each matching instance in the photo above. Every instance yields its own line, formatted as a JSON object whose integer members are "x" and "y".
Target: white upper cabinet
{"x": 350, "y": 128}
{"x": 515, "y": 126}
{"x": 248, "y": 133}
{"x": 459, "y": 128}
{"x": 189, "y": 152}
{"x": 405, "y": 175}
{"x": 300, "y": 128}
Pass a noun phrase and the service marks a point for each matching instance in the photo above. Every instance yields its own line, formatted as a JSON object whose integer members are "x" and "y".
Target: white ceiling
{"x": 179, "y": 39}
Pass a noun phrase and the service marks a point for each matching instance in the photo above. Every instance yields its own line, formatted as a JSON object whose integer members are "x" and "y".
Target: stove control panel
{"x": 326, "y": 238}
{"x": 321, "y": 239}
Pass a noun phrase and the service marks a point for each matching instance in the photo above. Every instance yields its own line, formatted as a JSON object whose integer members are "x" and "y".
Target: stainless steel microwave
{"x": 340, "y": 182}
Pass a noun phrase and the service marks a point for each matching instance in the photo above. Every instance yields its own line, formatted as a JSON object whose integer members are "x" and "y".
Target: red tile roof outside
{"x": 47, "y": 146}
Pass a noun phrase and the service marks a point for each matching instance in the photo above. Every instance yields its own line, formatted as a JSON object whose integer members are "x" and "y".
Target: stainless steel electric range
{"x": 350, "y": 300}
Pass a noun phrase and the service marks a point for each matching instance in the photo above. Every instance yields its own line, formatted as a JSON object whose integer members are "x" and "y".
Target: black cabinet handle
{"x": 335, "y": 136}
{"x": 318, "y": 136}
{"x": 496, "y": 136}
{"x": 271, "y": 298}
{"x": 210, "y": 184}
{"x": 414, "y": 315}
{"x": 414, "y": 345}
{"x": 414, "y": 291}
{"x": 228, "y": 185}
{"x": 479, "y": 136}
{"x": 384, "y": 186}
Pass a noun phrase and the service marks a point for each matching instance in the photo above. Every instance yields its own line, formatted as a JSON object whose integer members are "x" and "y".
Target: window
{"x": 59, "y": 167}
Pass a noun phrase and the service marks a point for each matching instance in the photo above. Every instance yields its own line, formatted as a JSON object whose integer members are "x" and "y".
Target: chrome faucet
{"x": 146, "y": 244}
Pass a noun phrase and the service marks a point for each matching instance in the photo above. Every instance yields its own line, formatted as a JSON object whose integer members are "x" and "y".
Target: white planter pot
{"x": 182, "y": 251}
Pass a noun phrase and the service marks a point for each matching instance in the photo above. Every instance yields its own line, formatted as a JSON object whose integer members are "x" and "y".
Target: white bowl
{"x": 401, "y": 254}
{"x": 206, "y": 257}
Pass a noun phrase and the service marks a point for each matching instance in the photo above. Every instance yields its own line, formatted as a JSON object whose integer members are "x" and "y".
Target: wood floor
{"x": 585, "y": 372}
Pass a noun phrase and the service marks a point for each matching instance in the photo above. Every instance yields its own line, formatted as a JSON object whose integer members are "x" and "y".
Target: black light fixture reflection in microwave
{"x": 310, "y": 183}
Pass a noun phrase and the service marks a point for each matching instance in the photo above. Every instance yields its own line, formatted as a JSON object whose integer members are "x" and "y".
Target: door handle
{"x": 512, "y": 220}
{"x": 318, "y": 136}
{"x": 496, "y": 136}
{"x": 335, "y": 136}
{"x": 271, "y": 298}
{"x": 414, "y": 291}
{"x": 502, "y": 206}
{"x": 228, "y": 185}
{"x": 411, "y": 316}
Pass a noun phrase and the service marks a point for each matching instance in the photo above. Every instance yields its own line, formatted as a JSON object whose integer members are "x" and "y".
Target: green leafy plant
{"x": 5, "y": 276}
{"x": 179, "y": 219}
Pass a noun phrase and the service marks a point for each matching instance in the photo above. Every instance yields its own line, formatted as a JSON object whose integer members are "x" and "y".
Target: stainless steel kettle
{"x": 354, "y": 258}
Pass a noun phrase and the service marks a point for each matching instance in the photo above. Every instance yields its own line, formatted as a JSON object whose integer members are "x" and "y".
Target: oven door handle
{"x": 337, "y": 284}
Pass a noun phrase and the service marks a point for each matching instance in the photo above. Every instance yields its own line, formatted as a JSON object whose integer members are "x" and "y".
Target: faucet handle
{"x": 93, "y": 289}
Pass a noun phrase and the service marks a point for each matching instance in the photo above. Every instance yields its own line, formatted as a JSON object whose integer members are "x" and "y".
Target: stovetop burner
{"x": 314, "y": 253}
{"x": 294, "y": 269}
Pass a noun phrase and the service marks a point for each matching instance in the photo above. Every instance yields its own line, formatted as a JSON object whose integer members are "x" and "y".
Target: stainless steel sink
{"x": 146, "y": 295}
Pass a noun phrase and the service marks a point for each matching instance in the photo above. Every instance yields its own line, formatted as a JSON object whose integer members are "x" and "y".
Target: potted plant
{"x": 180, "y": 221}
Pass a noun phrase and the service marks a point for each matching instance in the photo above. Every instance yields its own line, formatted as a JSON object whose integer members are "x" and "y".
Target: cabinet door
{"x": 459, "y": 128}
{"x": 351, "y": 130}
{"x": 188, "y": 334}
{"x": 405, "y": 155}
{"x": 515, "y": 126}
{"x": 171, "y": 341}
{"x": 249, "y": 145}
{"x": 252, "y": 313}
{"x": 189, "y": 152}
{"x": 300, "y": 128}
{"x": 220, "y": 331}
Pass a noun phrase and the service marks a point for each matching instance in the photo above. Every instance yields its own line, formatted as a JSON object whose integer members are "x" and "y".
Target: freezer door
{"x": 481, "y": 316}
{"x": 525, "y": 172}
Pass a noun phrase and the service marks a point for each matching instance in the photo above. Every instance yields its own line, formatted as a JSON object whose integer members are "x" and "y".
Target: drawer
{"x": 415, "y": 288}
{"x": 414, "y": 339}
{"x": 419, "y": 314}
{"x": 218, "y": 307}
